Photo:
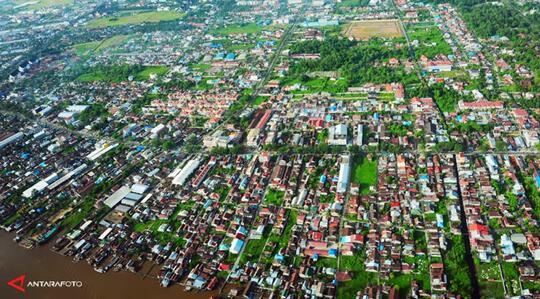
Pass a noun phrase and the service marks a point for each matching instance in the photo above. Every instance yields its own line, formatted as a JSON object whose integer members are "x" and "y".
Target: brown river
{"x": 41, "y": 264}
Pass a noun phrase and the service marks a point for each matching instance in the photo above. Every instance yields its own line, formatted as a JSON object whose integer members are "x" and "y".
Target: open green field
{"x": 135, "y": 18}
{"x": 201, "y": 67}
{"x": 490, "y": 280}
{"x": 255, "y": 247}
{"x": 78, "y": 216}
{"x": 122, "y": 73}
{"x": 239, "y": 29}
{"x": 283, "y": 239}
{"x": 94, "y": 47}
{"x": 274, "y": 197}
{"x": 315, "y": 85}
{"x": 86, "y": 48}
{"x": 365, "y": 174}
{"x": 149, "y": 70}
{"x": 260, "y": 99}
{"x": 352, "y": 3}
{"x": 431, "y": 41}
{"x": 38, "y": 4}
{"x": 360, "y": 277}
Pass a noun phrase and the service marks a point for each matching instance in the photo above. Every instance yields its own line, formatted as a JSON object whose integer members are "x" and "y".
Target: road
{"x": 465, "y": 237}
{"x": 257, "y": 89}
{"x": 463, "y": 218}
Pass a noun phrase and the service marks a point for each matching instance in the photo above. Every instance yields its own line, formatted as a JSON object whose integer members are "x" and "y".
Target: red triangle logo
{"x": 17, "y": 283}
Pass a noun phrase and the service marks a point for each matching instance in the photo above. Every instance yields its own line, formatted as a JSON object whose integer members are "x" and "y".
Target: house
{"x": 338, "y": 135}
{"x": 437, "y": 277}
{"x": 480, "y": 105}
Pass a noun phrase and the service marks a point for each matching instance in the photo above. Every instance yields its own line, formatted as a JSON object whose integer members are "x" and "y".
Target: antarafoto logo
{"x": 18, "y": 283}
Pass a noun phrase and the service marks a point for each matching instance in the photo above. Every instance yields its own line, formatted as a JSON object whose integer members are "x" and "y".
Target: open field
{"x": 122, "y": 73}
{"x": 240, "y": 29}
{"x": 159, "y": 70}
{"x": 352, "y": 3}
{"x": 37, "y": 4}
{"x": 93, "y": 47}
{"x": 135, "y": 18}
{"x": 365, "y": 174}
{"x": 373, "y": 28}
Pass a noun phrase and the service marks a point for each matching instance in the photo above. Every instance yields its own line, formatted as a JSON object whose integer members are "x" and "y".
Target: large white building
{"x": 344, "y": 174}
{"x": 338, "y": 135}
{"x": 181, "y": 176}
{"x": 11, "y": 139}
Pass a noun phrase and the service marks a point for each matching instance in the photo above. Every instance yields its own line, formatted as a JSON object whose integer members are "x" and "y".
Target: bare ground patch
{"x": 373, "y": 28}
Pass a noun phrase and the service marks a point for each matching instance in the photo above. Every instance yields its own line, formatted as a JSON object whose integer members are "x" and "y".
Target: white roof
{"x": 157, "y": 129}
{"x": 77, "y": 108}
{"x": 191, "y": 165}
{"x": 10, "y": 139}
{"x": 146, "y": 198}
{"x": 85, "y": 225}
{"x": 139, "y": 188}
{"x": 122, "y": 208}
{"x": 105, "y": 233}
{"x": 344, "y": 174}
{"x": 100, "y": 151}
{"x": 67, "y": 176}
{"x": 340, "y": 129}
{"x": 117, "y": 196}
{"x": 65, "y": 114}
{"x": 38, "y": 187}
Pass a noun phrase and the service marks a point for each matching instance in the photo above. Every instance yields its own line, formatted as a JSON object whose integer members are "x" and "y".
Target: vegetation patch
{"x": 274, "y": 197}
{"x": 145, "y": 74}
{"x": 365, "y": 174}
{"x": 120, "y": 73}
{"x": 239, "y": 29}
{"x": 37, "y": 4}
{"x": 135, "y": 18}
{"x": 89, "y": 48}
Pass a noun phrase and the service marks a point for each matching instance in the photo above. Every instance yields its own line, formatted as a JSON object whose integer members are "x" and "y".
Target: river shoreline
{"x": 42, "y": 264}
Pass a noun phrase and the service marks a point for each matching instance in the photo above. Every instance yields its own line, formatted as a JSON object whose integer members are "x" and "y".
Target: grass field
{"x": 112, "y": 76}
{"x": 362, "y": 30}
{"x": 360, "y": 278}
{"x": 365, "y": 174}
{"x": 94, "y": 47}
{"x": 315, "y": 85}
{"x": 135, "y": 18}
{"x": 201, "y": 67}
{"x": 352, "y": 3}
{"x": 239, "y": 29}
{"x": 145, "y": 74}
{"x": 274, "y": 197}
{"x": 431, "y": 40}
{"x": 37, "y": 4}
{"x": 259, "y": 100}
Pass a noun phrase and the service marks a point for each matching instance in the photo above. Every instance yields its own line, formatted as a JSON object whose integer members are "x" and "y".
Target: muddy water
{"x": 42, "y": 264}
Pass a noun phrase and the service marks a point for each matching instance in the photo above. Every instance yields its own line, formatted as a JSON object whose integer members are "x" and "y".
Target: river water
{"x": 42, "y": 264}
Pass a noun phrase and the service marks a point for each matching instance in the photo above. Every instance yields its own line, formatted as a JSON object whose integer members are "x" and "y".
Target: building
{"x": 338, "y": 135}
{"x": 344, "y": 174}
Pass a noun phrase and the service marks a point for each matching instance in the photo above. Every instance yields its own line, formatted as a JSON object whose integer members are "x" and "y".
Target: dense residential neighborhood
{"x": 277, "y": 149}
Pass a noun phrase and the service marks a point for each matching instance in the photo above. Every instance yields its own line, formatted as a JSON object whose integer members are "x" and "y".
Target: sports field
{"x": 373, "y": 28}
{"x": 135, "y": 18}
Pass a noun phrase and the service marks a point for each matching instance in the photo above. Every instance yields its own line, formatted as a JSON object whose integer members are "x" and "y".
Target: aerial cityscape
{"x": 269, "y": 149}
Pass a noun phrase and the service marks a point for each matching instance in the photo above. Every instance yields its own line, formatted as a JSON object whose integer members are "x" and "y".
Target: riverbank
{"x": 42, "y": 264}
